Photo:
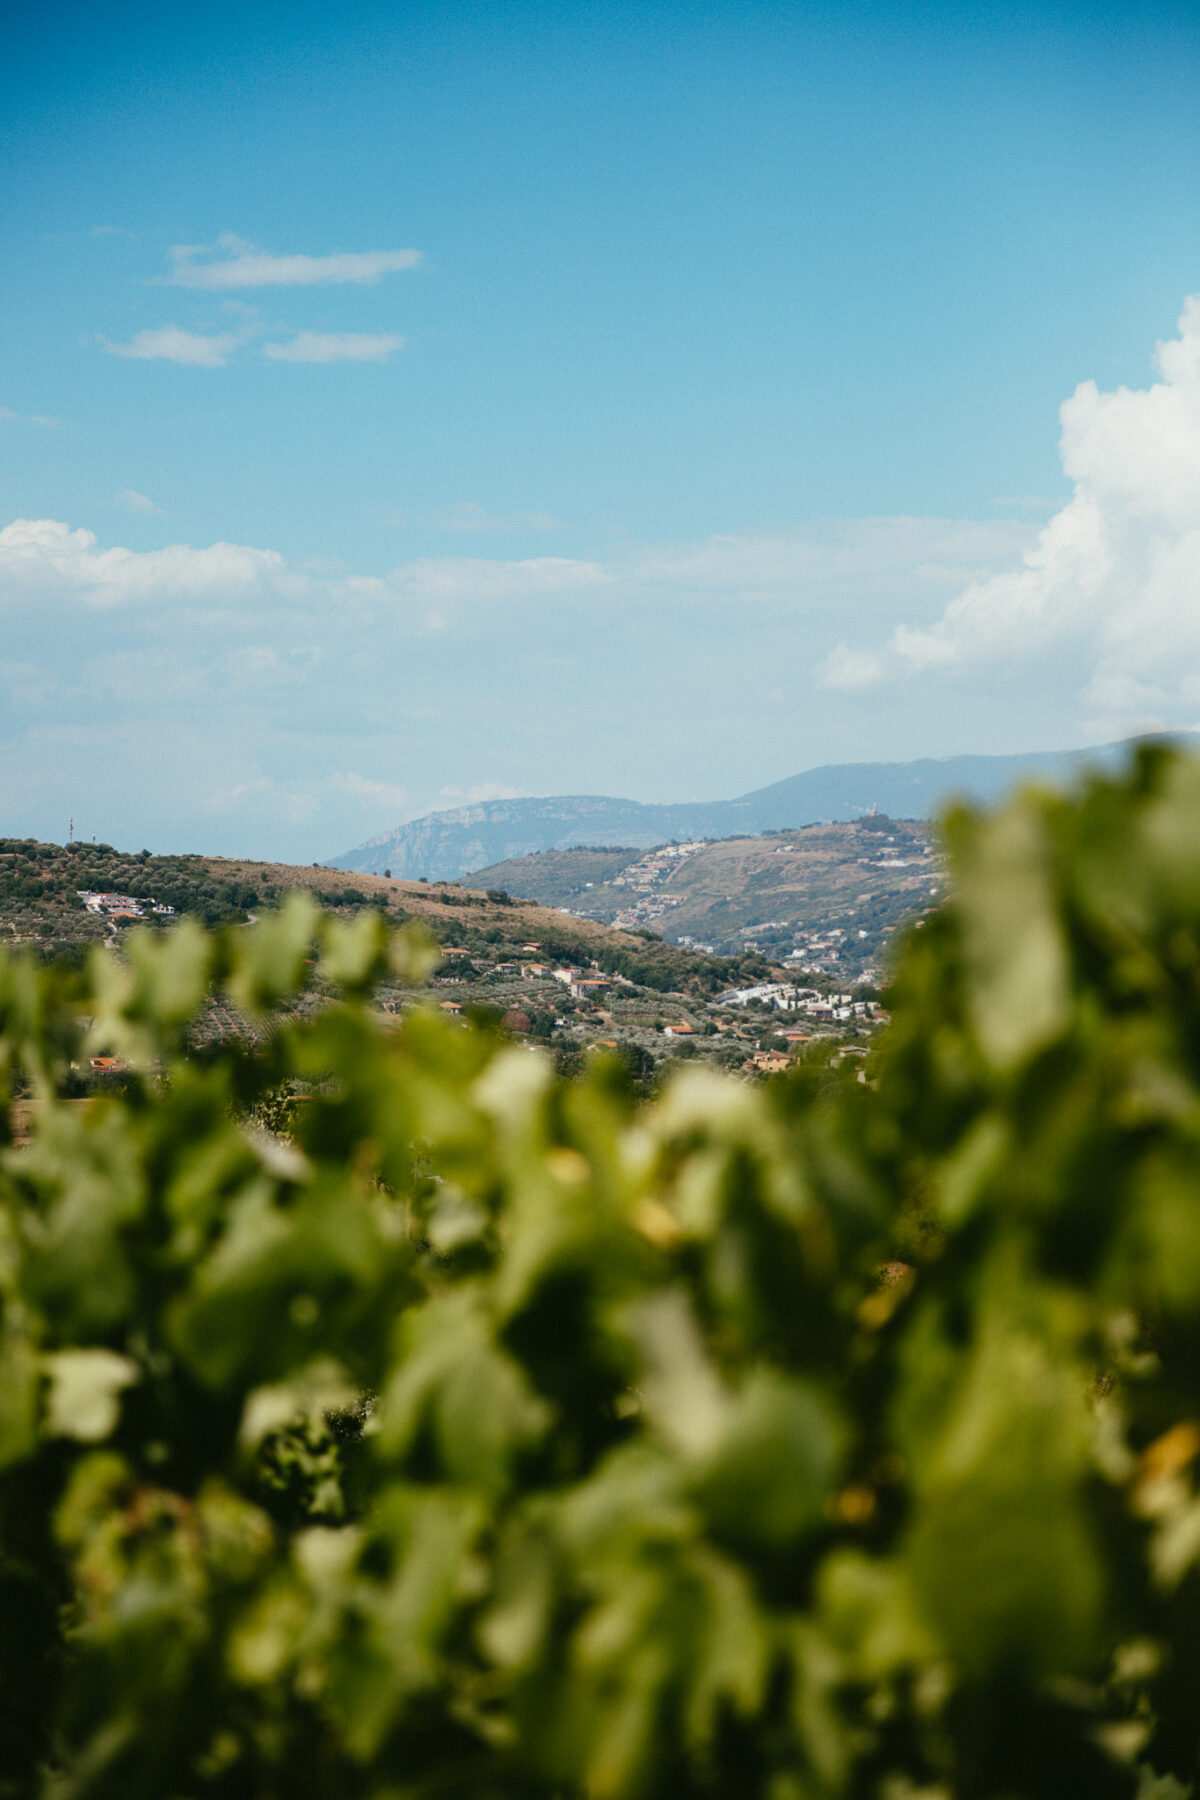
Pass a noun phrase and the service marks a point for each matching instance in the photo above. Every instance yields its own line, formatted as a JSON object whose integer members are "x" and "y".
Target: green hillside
{"x": 40, "y": 906}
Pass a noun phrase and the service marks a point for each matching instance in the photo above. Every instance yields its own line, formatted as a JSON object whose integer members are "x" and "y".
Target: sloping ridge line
{"x": 443, "y": 846}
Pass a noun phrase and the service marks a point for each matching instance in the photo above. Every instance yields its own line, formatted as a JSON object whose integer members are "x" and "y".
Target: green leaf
{"x": 85, "y": 1388}
{"x": 1014, "y": 950}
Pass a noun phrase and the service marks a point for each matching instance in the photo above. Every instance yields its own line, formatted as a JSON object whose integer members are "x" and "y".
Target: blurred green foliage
{"x": 384, "y": 1416}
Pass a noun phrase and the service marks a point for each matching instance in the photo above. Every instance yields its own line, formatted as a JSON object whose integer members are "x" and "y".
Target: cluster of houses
{"x": 825, "y": 1008}
{"x": 581, "y": 984}
{"x": 646, "y": 876}
{"x": 647, "y": 910}
{"x": 123, "y": 906}
{"x": 650, "y": 870}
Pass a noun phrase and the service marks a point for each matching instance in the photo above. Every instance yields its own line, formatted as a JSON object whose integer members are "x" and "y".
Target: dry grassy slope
{"x": 814, "y": 876}
{"x": 803, "y": 876}
{"x": 557, "y": 877}
{"x": 460, "y": 906}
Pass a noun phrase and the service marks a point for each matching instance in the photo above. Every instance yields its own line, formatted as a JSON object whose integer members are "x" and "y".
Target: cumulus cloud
{"x": 47, "y": 556}
{"x": 170, "y": 343}
{"x": 134, "y": 502}
{"x": 241, "y": 265}
{"x": 821, "y": 569}
{"x": 1113, "y": 579}
{"x": 342, "y": 346}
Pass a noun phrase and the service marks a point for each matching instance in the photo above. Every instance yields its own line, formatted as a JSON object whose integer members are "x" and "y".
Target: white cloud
{"x": 826, "y": 555}
{"x": 363, "y": 787}
{"x": 244, "y": 266}
{"x": 47, "y": 556}
{"x": 134, "y": 502}
{"x": 853, "y": 671}
{"x": 818, "y": 570}
{"x": 235, "y": 680}
{"x": 170, "y": 343}
{"x": 1113, "y": 580}
{"x": 328, "y": 347}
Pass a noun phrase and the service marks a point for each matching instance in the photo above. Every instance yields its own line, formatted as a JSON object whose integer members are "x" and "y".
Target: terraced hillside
{"x": 824, "y": 894}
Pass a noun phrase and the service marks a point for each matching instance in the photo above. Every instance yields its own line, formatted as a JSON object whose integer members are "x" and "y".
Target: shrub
{"x": 495, "y": 1434}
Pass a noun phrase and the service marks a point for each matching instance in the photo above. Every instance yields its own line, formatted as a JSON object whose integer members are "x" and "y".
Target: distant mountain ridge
{"x": 443, "y": 846}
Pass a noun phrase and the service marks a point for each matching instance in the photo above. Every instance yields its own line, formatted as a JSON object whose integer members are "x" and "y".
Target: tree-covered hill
{"x": 40, "y": 906}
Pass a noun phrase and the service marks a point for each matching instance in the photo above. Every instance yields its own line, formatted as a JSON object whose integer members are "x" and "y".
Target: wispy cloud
{"x": 467, "y": 515}
{"x": 171, "y": 343}
{"x": 48, "y": 424}
{"x": 133, "y": 502}
{"x": 483, "y": 790}
{"x": 243, "y": 266}
{"x": 301, "y": 801}
{"x": 338, "y": 346}
{"x": 823, "y": 563}
{"x": 365, "y": 787}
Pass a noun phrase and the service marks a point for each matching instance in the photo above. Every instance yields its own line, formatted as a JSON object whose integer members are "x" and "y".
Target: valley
{"x": 572, "y": 983}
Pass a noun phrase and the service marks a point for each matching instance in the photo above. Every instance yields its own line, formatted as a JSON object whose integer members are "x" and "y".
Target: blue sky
{"x": 709, "y": 430}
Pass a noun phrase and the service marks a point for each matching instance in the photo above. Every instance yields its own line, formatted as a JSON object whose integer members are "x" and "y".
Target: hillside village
{"x": 571, "y": 984}
{"x": 820, "y": 899}
{"x": 123, "y": 906}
